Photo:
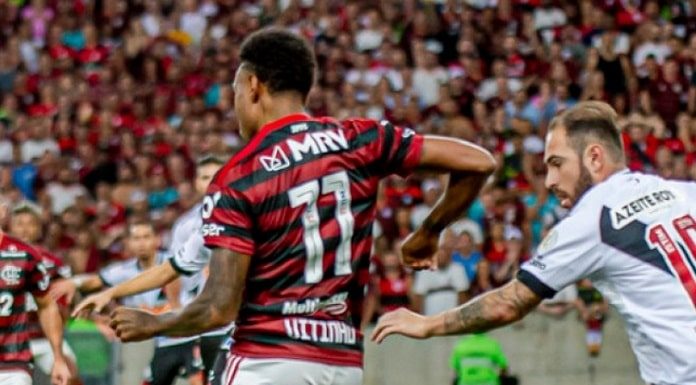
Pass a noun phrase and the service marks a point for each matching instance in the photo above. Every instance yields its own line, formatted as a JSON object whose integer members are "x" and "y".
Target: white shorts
{"x": 276, "y": 371}
{"x": 43, "y": 355}
{"x": 14, "y": 377}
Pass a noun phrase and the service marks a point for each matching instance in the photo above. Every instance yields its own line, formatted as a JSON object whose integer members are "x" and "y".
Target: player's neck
{"x": 280, "y": 106}
{"x": 610, "y": 171}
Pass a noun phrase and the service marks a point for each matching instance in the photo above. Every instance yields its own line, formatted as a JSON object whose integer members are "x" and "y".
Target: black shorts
{"x": 171, "y": 361}
{"x": 210, "y": 346}
{"x": 215, "y": 374}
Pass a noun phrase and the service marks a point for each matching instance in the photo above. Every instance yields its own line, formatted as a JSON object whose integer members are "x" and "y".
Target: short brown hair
{"x": 591, "y": 119}
{"x": 139, "y": 222}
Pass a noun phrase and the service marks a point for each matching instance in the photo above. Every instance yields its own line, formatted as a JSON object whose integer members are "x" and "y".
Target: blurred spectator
{"x": 64, "y": 192}
{"x": 442, "y": 289}
{"x": 390, "y": 288}
{"x": 431, "y": 189}
{"x": 502, "y": 256}
{"x": 593, "y": 308}
{"x": 466, "y": 254}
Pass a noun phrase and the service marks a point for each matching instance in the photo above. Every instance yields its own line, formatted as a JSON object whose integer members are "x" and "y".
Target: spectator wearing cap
{"x": 431, "y": 189}
{"x": 429, "y": 74}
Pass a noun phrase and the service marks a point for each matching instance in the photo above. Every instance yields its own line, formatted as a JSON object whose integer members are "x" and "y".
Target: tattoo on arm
{"x": 497, "y": 308}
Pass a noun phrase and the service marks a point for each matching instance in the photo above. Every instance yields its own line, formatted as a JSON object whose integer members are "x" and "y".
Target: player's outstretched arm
{"x": 469, "y": 167}
{"x": 69, "y": 286}
{"x": 215, "y": 307}
{"x": 489, "y": 311}
{"x": 152, "y": 278}
{"x": 52, "y": 325}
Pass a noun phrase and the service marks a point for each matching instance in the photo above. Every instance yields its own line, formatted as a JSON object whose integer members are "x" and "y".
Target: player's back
{"x": 634, "y": 235}
{"x": 652, "y": 221}
{"x": 21, "y": 272}
{"x": 300, "y": 199}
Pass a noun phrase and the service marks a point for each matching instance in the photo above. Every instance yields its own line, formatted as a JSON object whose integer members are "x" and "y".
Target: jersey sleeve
{"x": 569, "y": 253}
{"x": 192, "y": 256}
{"x": 401, "y": 148}
{"x": 391, "y": 149}
{"x": 39, "y": 276}
{"x": 227, "y": 220}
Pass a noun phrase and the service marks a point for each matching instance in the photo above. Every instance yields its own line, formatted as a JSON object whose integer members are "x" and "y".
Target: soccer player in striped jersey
{"x": 633, "y": 235}
{"x": 188, "y": 257}
{"x": 25, "y": 225}
{"x": 21, "y": 272}
{"x": 289, "y": 219}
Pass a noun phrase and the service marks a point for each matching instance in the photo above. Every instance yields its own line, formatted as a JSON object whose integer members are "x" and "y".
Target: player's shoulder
{"x": 50, "y": 259}
{"x": 13, "y": 247}
{"x": 358, "y": 122}
{"x": 188, "y": 217}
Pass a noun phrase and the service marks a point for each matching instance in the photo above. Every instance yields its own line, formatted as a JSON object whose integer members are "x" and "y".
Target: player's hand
{"x": 93, "y": 303}
{"x": 63, "y": 288}
{"x": 133, "y": 324}
{"x": 419, "y": 250}
{"x": 60, "y": 374}
{"x": 405, "y": 322}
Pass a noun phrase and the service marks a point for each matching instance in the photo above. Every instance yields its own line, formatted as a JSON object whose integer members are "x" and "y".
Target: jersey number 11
{"x": 682, "y": 260}
{"x": 307, "y": 193}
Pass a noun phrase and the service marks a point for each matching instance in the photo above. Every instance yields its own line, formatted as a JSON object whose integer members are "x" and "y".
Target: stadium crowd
{"x": 106, "y": 105}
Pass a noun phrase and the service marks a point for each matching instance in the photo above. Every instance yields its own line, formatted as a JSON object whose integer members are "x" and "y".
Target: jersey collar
{"x": 282, "y": 122}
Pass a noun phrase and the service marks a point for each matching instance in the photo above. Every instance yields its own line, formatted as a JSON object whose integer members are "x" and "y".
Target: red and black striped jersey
{"x": 56, "y": 270}
{"x": 300, "y": 200}
{"x": 21, "y": 272}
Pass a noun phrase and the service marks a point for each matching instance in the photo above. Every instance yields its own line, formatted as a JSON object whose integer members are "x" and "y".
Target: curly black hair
{"x": 280, "y": 59}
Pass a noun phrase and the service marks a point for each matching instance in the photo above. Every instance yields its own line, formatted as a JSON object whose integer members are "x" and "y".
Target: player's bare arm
{"x": 152, "y": 278}
{"x": 494, "y": 309}
{"x": 68, "y": 287}
{"x": 52, "y": 325}
{"x": 215, "y": 307}
{"x": 469, "y": 167}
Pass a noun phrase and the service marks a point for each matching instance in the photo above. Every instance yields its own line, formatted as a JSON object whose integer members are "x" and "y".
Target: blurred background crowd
{"x": 106, "y": 105}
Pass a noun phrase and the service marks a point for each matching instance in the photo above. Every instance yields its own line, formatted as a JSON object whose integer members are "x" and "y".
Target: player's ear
{"x": 594, "y": 157}
{"x": 255, "y": 86}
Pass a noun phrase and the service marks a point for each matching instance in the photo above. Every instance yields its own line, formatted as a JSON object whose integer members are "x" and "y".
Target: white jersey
{"x": 189, "y": 257}
{"x": 634, "y": 236}
{"x": 153, "y": 300}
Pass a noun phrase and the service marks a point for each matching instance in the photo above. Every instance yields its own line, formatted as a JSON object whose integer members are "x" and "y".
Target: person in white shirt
{"x": 64, "y": 192}
{"x": 438, "y": 290}
{"x": 432, "y": 189}
{"x": 188, "y": 258}
{"x": 40, "y": 142}
{"x": 633, "y": 235}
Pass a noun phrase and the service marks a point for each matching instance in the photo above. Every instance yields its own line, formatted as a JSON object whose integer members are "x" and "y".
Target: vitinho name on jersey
{"x": 622, "y": 215}
{"x": 307, "y": 329}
